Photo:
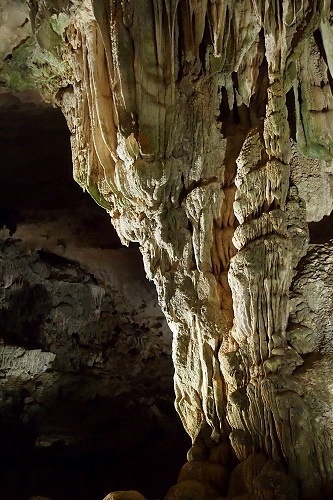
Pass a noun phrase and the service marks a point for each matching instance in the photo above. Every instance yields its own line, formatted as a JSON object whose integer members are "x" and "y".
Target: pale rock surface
{"x": 310, "y": 329}
{"x": 186, "y": 133}
{"x": 124, "y": 495}
{"x": 15, "y": 26}
{"x": 314, "y": 180}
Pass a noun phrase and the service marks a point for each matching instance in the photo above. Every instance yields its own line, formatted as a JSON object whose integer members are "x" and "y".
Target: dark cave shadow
{"x": 321, "y": 231}
{"x": 66, "y": 472}
{"x": 36, "y": 177}
{"x": 21, "y": 316}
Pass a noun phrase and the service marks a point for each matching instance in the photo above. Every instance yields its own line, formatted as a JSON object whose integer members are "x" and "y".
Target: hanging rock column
{"x": 182, "y": 116}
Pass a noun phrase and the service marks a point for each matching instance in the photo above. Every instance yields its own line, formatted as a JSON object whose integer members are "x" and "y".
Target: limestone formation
{"x": 197, "y": 126}
{"x": 86, "y": 375}
{"x": 124, "y": 495}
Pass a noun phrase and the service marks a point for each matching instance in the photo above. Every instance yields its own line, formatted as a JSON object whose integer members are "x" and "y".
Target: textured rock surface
{"x": 314, "y": 180}
{"x": 124, "y": 495}
{"x": 70, "y": 338}
{"x": 192, "y": 134}
{"x": 85, "y": 355}
{"x": 15, "y": 26}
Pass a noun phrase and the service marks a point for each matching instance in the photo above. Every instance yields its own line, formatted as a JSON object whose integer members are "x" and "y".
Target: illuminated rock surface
{"x": 86, "y": 372}
{"x": 203, "y": 128}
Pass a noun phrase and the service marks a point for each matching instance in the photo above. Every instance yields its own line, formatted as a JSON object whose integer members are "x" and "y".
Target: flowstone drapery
{"x": 184, "y": 115}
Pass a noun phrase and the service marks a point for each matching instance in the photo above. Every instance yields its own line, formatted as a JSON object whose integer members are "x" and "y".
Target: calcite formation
{"x": 86, "y": 375}
{"x": 196, "y": 125}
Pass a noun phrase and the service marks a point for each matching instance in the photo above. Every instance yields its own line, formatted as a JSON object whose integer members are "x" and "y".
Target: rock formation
{"x": 86, "y": 375}
{"x": 204, "y": 129}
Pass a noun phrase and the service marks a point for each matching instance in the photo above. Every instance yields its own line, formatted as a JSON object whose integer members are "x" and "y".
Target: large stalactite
{"x": 185, "y": 118}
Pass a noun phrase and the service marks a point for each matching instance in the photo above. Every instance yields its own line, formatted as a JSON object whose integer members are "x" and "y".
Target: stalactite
{"x": 181, "y": 129}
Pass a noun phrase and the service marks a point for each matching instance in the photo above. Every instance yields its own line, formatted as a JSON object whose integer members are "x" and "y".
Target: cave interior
{"x": 67, "y": 432}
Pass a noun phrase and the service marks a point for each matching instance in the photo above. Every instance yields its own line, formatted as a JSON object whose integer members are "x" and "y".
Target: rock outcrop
{"x": 194, "y": 125}
{"x": 86, "y": 381}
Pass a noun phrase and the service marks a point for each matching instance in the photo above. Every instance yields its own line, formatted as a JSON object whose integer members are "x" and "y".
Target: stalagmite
{"x": 191, "y": 122}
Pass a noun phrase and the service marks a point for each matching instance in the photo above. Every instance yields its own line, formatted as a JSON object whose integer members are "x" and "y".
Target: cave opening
{"x": 86, "y": 376}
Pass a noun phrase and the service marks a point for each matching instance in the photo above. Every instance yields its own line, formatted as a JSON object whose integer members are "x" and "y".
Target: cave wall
{"x": 86, "y": 375}
{"x": 199, "y": 135}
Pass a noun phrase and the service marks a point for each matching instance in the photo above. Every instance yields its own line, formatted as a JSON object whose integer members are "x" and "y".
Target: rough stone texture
{"x": 86, "y": 372}
{"x": 186, "y": 133}
{"x": 258, "y": 477}
{"x": 314, "y": 180}
{"x": 69, "y": 337}
{"x": 191, "y": 489}
{"x": 15, "y": 26}
{"x": 124, "y": 495}
{"x": 39, "y": 498}
{"x": 214, "y": 474}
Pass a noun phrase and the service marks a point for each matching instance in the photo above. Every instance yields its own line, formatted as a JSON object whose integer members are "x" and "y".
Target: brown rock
{"x": 220, "y": 454}
{"x": 177, "y": 134}
{"x": 197, "y": 452}
{"x": 243, "y": 475}
{"x": 39, "y": 498}
{"x": 275, "y": 484}
{"x": 214, "y": 474}
{"x": 191, "y": 490}
{"x": 125, "y": 495}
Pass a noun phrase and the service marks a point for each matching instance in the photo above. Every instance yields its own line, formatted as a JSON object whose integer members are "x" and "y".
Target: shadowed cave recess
{"x": 204, "y": 130}
{"x": 86, "y": 385}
